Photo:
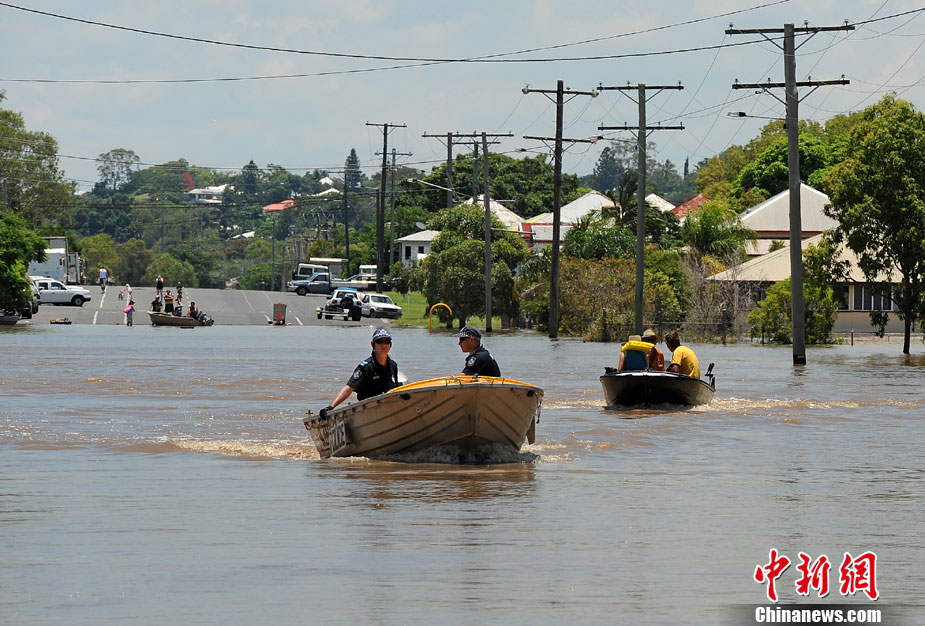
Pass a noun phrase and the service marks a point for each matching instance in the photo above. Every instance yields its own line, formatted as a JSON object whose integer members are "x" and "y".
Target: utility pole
{"x": 642, "y": 133}
{"x": 380, "y": 203}
{"x": 346, "y": 224}
{"x": 449, "y": 166}
{"x": 559, "y": 92}
{"x": 487, "y": 201}
{"x": 392, "y": 208}
{"x": 791, "y": 103}
{"x": 475, "y": 139}
{"x": 273, "y": 257}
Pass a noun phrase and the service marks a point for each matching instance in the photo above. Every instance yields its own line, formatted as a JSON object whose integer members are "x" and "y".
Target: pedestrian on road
{"x": 159, "y": 284}
{"x": 179, "y": 291}
{"x": 129, "y": 310}
{"x": 103, "y": 277}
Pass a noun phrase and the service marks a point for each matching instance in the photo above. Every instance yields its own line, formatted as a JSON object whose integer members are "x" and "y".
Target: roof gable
{"x": 773, "y": 215}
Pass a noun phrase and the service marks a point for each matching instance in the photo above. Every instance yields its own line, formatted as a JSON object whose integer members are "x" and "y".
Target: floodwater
{"x": 163, "y": 475}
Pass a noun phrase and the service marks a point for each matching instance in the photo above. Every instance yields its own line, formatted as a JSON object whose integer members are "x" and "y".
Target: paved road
{"x": 225, "y": 306}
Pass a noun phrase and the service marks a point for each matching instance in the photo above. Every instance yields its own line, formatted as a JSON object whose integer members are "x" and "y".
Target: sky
{"x": 434, "y": 67}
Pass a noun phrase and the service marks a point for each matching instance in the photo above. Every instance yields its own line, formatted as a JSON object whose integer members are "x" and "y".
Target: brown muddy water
{"x": 161, "y": 475}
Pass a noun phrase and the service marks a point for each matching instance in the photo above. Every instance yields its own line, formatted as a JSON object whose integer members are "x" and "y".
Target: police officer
{"x": 375, "y": 375}
{"x": 479, "y": 362}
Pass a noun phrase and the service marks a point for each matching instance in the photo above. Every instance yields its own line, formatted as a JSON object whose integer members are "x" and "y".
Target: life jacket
{"x": 636, "y": 351}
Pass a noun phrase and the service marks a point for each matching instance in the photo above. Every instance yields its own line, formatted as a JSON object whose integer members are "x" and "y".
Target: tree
{"x": 877, "y": 197}
{"x": 607, "y": 171}
{"x": 352, "y": 170}
{"x": 100, "y": 251}
{"x": 36, "y": 188}
{"x": 116, "y": 167}
{"x": 19, "y": 246}
{"x": 715, "y": 230}
{"x": 769, "y": 173}
{"x": 599, "y": 238}
{"x": 134, "y": 259}
{"x": 771, "y": 319}
{"x": 171, "y": 269}
{"x": 455, "y": 269}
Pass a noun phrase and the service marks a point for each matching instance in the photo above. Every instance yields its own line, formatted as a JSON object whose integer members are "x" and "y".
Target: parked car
{"x": 380, "y": 305}
{"x": 55, "y": 292}
{"x": 345, "y": 301}
{"x": 33, "y": 307}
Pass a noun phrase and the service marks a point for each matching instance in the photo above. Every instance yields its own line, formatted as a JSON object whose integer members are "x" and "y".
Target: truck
{"x": 321, "y": 282}
{"x": 305, "y": 271}
{"x": 344, "y": 301}
{"x": 60, "y": 264}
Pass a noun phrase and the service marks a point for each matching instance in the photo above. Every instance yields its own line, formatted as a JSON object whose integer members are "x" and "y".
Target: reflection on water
{"x": 373, "y": 482}
{"x": 167, "y": 478}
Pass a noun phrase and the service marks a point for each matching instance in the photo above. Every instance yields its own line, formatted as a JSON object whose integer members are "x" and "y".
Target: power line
{"x": 485, "y": 58}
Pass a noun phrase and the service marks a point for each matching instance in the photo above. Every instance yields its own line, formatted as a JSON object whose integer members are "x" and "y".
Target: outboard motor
{"x": 710, "y": 375}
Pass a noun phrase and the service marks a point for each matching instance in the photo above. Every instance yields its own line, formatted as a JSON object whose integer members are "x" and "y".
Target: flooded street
{"x": 163, "y": 475}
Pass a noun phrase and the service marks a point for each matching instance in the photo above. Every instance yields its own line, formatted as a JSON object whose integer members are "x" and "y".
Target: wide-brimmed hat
{"x": 468, "y": 331}
{"x": 634, "y": 338}
{"x": 381, "y": 333}
{"x": 649, "y": 333}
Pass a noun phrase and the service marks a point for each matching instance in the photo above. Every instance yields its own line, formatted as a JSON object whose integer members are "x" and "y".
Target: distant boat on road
{"x": 183, "y": 321}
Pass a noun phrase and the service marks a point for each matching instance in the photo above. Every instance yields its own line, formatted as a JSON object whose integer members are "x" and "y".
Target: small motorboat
{"x": 645, "y": 389}
{"x": 183, "y": 321}
{"x": 468, "y": 412}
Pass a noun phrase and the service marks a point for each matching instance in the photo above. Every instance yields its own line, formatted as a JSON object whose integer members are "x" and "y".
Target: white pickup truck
{"x": 345, "y": 301}
{"x": 55, "y": 292}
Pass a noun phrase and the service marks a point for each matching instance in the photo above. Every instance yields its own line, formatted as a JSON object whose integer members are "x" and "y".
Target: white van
{"x": 307, "y": 270}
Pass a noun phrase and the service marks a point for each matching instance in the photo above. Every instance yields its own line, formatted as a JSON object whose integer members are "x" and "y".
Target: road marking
{"x": 269, "y": 321}
{"x": 95, "y": 313}
{"x": 299, "y": 321}
{"x": 102, "y": 299}
{"x": 248, "y": 302}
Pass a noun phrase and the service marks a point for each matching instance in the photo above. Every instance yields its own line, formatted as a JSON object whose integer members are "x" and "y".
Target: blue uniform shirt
{"x": 481, "y": 363}
{"x": 371, "y": 379}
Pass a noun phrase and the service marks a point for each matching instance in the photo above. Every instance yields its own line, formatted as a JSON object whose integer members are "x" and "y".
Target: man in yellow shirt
{"x": 683, "y": 359}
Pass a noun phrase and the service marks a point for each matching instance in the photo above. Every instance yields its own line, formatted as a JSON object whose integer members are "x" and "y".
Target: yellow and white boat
{"x": 468, "y": 412}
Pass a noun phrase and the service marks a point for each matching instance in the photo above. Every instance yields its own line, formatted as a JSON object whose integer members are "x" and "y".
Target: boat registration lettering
{"x": 337, "y": 436}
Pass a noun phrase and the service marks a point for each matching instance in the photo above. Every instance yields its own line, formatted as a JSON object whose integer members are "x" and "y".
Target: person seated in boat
{"x": 193, "y": 311}
{"x": 156, "y": 304}
{"x": 479, "y": 362}
{"x": 375, "y": 375}
{"x": 633, "y": 355}
{"x": 168, "y": 302}
{"x": 683, "y": 359}
{"x": 655, "y": 360}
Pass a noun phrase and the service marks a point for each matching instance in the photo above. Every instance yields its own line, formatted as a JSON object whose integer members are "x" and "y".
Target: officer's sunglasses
{"x": 381, "y": 341}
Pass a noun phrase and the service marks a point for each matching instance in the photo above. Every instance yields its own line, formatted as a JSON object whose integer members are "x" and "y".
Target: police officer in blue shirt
{"x": 376, "y": 375}
{"x": 479, "y": 362}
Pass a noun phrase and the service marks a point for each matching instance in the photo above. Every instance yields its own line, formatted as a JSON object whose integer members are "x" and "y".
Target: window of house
{"x": 871, "y": 297}
{"x": 420, "y": 249}
{"x": 841, "y": 298}
{"x": 407, "y": 252}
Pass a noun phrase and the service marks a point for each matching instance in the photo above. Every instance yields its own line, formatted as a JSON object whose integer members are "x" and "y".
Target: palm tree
{"x": 716, "y": 230}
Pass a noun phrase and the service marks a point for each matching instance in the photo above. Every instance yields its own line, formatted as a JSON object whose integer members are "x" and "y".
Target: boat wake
{"x": 491, "y": 454}
{"x": 248, "y": 449}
